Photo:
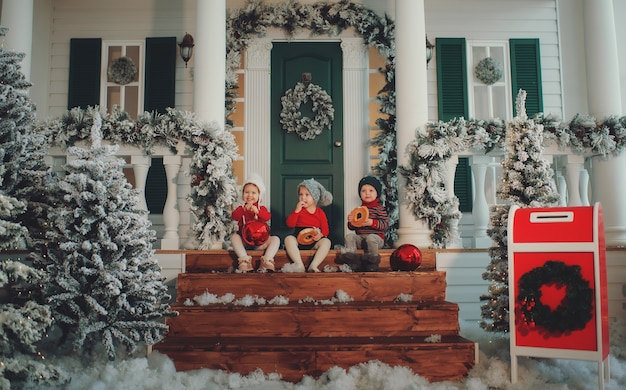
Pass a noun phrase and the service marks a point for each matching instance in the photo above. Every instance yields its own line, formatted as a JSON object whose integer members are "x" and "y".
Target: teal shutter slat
{"x": 160, "y": 80}
{"x": 84, "y": 73}
{"x": 526, "y": 73}
{"x": 463, "y": 184}
{"x": 451, "y": 78}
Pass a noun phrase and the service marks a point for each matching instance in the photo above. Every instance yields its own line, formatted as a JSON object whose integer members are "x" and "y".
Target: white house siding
{"x": 499, "y": 20}
{"x": 110, "y": 20}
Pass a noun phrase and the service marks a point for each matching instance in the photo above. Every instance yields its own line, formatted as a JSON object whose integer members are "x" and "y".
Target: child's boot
{"x": 245, "y": 264}
{"x": 352, "y": 260}
{"x": 370, "y": 263}
{"x": 267, "y": 265}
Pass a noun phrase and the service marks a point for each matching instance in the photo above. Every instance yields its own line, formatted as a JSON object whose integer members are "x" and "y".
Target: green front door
{"x": 294, "y": 159}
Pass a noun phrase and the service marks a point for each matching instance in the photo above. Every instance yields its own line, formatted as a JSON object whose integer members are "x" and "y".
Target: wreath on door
{"x": 291, "y": 118}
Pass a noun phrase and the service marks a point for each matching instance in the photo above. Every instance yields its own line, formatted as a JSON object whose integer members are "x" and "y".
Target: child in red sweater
{"x": 308, "y": 214}
{"x": 251, "y": 210}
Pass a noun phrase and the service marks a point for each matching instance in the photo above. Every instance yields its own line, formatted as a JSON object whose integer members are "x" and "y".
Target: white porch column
{"x": 355, "y": 119}
{"x": 608, "y": 184}
{"x": 209, "y": 56}
{"x": 411, "y": 105}
{"x": 209, "y": 72}
{"x": 17, "y": 16}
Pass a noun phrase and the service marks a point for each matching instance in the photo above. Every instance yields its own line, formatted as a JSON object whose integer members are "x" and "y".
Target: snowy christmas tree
{"x": 105, "y": 285}
{"x": 25, "y": 175}
{"x": 23, "y": 321}
{"x": 527, "y": 182}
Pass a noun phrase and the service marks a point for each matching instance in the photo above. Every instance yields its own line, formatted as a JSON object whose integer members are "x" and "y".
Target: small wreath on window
{"x": 573, "y": 312}
{"x": 488, "y": 70}
{"x": 122, "y": 70}
{"x": 291, "y": 118}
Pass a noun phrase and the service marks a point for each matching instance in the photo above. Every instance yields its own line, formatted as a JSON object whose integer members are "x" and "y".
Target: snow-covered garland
{"x": 214, "y": 188}
{"x": 488, "y": 70}
{"x": 291, "y": 117}
{"x": 122, "y": 70}
{"x": 428, "y": 154}
{"x": 322, "y": 18}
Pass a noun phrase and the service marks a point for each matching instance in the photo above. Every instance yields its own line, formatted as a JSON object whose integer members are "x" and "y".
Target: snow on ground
{"x": 492, "y": 372}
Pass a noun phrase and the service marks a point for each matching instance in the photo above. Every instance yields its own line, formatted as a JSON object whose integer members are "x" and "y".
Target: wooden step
{"x": 360, "y": 319}
{"x": 361, "y": 286}
{"x": 224, "y": 261}
{"x": 293, "y": 357}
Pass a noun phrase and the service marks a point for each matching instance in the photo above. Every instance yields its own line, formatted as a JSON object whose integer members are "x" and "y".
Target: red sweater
{"x": 242, "y": 215}
{"x": 304, "y": 219}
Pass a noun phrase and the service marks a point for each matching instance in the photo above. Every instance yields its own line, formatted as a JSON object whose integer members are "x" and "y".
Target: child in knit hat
{"x": 308, "y": 214}
{"x": 252, "y": 190}
{"x": 369, "y": 234}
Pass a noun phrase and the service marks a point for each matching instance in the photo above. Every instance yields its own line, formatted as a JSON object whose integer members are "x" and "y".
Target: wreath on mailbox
{"x": 291, "y": 118}
{"x": 574, "y": 311}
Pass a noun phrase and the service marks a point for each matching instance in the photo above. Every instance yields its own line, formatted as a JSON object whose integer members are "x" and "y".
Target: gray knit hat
{"x": 318, "y": 192}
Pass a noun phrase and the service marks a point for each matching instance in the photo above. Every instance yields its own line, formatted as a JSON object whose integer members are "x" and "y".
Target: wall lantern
{"x": 429, "y": 51}
{"x": 186, "y": 48}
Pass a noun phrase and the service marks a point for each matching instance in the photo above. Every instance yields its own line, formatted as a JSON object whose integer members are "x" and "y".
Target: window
{"x": 128, "y": 96}
{"x": 487, "y": 101}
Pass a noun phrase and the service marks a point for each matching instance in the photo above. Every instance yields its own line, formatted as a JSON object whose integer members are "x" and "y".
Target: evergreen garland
{"x": 327, "y": 19}
{"x": 214, "y": 151}
{"x": 583, "y": 134}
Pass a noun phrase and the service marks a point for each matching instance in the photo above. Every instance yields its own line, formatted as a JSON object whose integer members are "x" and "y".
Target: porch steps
{"x": 399, "y": 318}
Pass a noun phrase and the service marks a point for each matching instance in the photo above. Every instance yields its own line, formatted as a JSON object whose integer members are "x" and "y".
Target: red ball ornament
{"x": 255, "y": 233}
{"x": 406, "y": 257}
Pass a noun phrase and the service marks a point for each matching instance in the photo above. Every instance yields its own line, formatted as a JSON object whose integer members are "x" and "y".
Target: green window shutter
{"x": 463, "y": 184}
{"x": 160, "y": 80}
{"x": 526, "y": 73}
{"x": 84, "y": 77}
{"x": 159, "y": 94}
{"x": 451, "y": 78}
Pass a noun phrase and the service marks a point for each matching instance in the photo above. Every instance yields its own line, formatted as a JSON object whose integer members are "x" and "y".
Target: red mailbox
{"x": 558, "y": 304}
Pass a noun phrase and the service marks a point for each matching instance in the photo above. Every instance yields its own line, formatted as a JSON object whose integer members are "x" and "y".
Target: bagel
{"x": 307, "y": 235}
{"x": 359, "y": 216}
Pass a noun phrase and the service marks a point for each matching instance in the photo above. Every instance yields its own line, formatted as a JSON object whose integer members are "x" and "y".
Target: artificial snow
{"x": 492, "y": 371}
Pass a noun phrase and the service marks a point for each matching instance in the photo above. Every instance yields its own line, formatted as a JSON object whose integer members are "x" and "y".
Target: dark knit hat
{"x": 374, "y": 182}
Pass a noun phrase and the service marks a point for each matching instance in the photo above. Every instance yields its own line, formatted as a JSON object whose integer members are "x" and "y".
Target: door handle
{"x": 337, "y": 144}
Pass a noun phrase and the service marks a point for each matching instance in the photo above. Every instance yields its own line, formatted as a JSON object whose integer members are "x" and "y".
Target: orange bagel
{"x": 359, "y": 216}
{"x": 306, "y": 236}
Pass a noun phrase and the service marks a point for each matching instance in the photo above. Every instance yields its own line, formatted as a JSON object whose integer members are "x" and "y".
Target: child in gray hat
{"x": 310, "y": 224}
